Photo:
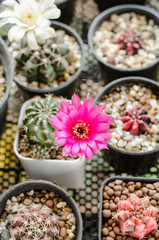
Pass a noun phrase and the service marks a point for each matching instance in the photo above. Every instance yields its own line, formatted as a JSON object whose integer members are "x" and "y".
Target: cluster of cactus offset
{"x": 36, "y": 130}
{"x": 130, "y": 42}
{"x": 34, "y": 222}
{"x": 50, "y": 61}
{"x": 136, "y": 216}
{"x": 136, "y": 120}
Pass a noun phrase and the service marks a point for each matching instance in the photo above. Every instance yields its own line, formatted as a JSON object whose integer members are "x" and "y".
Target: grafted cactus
{"x": 48, "y": 63}
{"x": 34, "y": 222}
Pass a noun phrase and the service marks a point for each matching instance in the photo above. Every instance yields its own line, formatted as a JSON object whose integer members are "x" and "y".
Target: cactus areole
{"x": 136, "y": 217}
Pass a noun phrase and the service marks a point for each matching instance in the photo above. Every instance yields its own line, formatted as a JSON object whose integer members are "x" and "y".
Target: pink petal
{"x": 101, "y": 107}
{"x": 60, "y": 141}
{"x": 96, "y": 110}
{"x": 88, "y": 102}
{"x": 63, "y": 134}
{"x": 98, "y": 138}
{"x": 103, "y": 145}
{"x": 83, "y": 147}
{"x": 62, "y": 116}
{"x": 67, "y": 150}
{"x": 103, "y": 117}
{"x": 82, "y": 111}
{"x": 76, "y": 100}
{"x": 64, "y": 106}
{"x": 107, "y": 136}
{"x": 89, "y": 153}
{"x": 73, "y": 113}
{"x": 56, "y": 123}
{"x": 102, "y": 127}
{"x": 75, "y": 149}
{"x": 93, "y": 146}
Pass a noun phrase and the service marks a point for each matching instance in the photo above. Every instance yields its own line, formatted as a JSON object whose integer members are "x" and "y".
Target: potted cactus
{"x": 121, "y": 39}
{"x": 6, "y": 77}
{"x": 129, "y": 208}
{"x": 39, "y": 210}
{"x": 133, "y": 102}
{"x": 60, "y": 160}
{"x": 48, "y": 56}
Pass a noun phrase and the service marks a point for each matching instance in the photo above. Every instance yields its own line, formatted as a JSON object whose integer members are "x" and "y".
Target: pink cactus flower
{"x": 81, "y": 128}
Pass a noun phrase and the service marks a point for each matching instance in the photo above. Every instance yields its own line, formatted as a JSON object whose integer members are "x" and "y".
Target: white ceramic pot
{"x": 66, "y": 173}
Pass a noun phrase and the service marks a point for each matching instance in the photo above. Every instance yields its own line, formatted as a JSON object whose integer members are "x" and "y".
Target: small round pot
{"x": 108, "y": 71}
{"x": 67, "y": 10}
{"x": 104, "y": 4}
{"x": 122, "y": 160}
{"x": 44, "y": 185}
{"x": 118, "y": 181}
{"x": 7, "y": 62}
{"x": 66, "y": 173}
{"x": 68, "y": 88}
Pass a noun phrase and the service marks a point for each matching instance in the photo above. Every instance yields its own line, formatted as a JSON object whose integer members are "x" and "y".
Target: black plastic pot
{"x": 125, "y": 179}
{"x": 67, "y": 10}
{"x": 68, "y": 88}
{"x": 108, "y": 71}
{"x": 122, "y": 160}
{"x": 104, "y": 4}
{"x": 7, "y": 62}
{"x": 44, "y": 185}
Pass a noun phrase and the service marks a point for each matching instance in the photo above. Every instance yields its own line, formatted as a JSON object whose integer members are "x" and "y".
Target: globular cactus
{"x": 48, "y": 63}
{"x": 136, "y": 217}
{"x": 34, "y": 222}
{"x": 36, "y": 139}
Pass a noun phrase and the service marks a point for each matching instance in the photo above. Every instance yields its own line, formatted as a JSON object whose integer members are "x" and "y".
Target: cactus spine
{"x": 48, "y": 63}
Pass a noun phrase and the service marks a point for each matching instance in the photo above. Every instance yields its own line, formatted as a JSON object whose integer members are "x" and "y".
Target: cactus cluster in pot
{"x": 44, "y": 57}
{"x": 36, "y": 139}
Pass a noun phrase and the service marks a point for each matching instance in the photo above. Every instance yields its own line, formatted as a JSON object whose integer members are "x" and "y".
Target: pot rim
{"x": 110, "y": 179}
{"x": 42, "y": 184}
{"x": 70, "y": 31}
{"x": 122, "y": 9}
{"x": 16, "y": 140}
{"x": 10, "y": 68}
{"x": 125, "y": 80}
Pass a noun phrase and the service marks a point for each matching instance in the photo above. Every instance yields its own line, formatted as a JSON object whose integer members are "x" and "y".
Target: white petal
{"x": 52, "y": 13}
{"x": 7, "y": 14}
{"x": 45, "y": 4}
{"x": 9, "y": 3}
{"x": 3, "y": 22}
{"x": 17, "y": 22}
{"x": 32, "y": 40}
{"x": 16, "y": 33}
{"x": 44, "y": 33}
{"x": 43, "y": 22}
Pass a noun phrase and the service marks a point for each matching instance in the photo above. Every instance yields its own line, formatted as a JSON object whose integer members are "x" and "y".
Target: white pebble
{"x": 27, "y": 201}
{"x": 153, "y": 103}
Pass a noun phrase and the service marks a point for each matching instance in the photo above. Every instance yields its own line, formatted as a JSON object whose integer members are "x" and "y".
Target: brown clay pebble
{"x": 129, "y": 238}
{"x": 125, "y": 191}
{"x": 116, "y": 230}
{"x": 110, "y": 192}
{"x": 151, "y": 238}
{"x": 123, "y": 197}
{"x": 153, "y": 202}
{"x": 106, "y": 205}
{"x": 63, "y": 232}
{"x": 156, "y": 196}
{"x": 131, "y": 188}
{"x": 118, "y": 182}
{"x": 113, "y": 206}
{"x": 112, "y": 234}
{"x": 61, "y": 224}
{"x": 49, "y": 203}
{"x": 111, "y": 184}
{"x": 106, "y": 188}
{"x": 139, "y": 193}
{"x": 156, "y": 235}
{"x": 107, "y": 213}
{"x": 106, "y": 196}
{"x": 110, "y": 238}
{"x": 118, "y": 188}
{"x": 151, "y": 192}
{"x": 150, "y": 186}
{"x": 130, "y": 183}
{"x": 137, "y": 185}
{"x": 117, "y": 193}
{"x": 105, "y": 231}
{"x": 144, "y": 190}
{"x": 119, "y": 237}
{"x": 117, "y": 199}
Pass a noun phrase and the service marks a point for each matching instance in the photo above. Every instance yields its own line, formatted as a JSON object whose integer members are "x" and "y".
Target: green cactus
{"x": 36, "y": 122}
{"x": 48, "y": 63}
{"x": 40, "y": 152}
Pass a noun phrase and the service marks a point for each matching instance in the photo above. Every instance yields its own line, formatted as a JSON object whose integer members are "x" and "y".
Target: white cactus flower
{"x": 30, "y": 18}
